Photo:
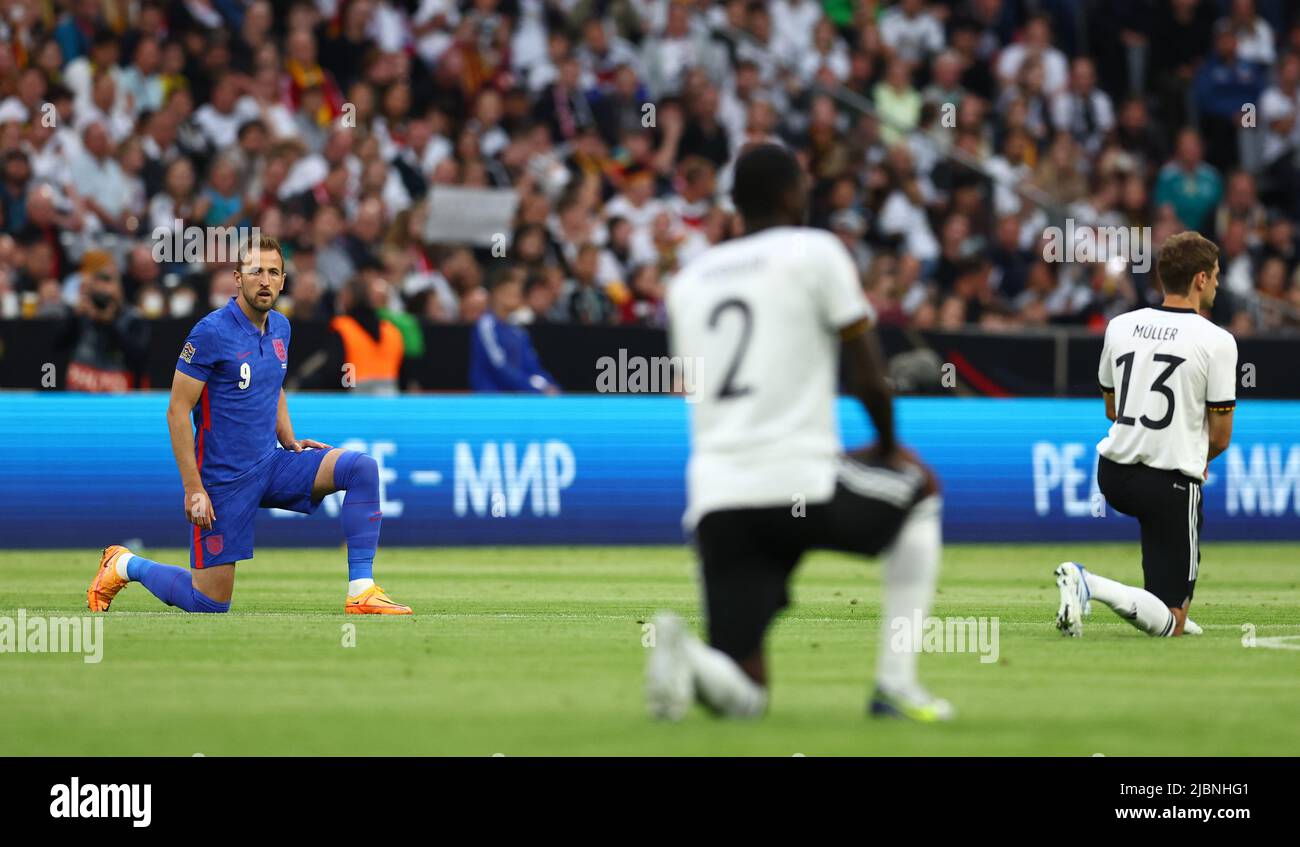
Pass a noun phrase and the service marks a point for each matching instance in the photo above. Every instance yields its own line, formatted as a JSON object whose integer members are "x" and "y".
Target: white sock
{"x": 722, "y": 684}
{"x": 1138, "y": 606}
{"x": 911, "y": 571}
{"x": 123, "y": 560}
{"x": 356, "y": 586}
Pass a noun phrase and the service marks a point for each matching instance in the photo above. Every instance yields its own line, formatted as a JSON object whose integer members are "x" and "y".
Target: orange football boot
{"x": 106, "y": 584}
{"x": 373, "y": 601}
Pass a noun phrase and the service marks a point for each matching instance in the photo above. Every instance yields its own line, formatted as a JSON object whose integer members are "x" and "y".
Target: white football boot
{"x": 669, "y": 683}
{"x": 1075, "y": 597}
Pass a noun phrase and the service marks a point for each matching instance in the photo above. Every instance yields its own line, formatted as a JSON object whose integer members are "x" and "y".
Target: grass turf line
{"x": 537, "y": 651}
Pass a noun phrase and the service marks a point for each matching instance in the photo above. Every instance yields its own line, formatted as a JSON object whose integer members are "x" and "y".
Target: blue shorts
{"x": 283, "y": 480}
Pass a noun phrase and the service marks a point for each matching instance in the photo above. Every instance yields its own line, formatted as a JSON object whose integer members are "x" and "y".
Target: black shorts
{"x": 747, "y": 555}
{"x": 1167, "y": 505}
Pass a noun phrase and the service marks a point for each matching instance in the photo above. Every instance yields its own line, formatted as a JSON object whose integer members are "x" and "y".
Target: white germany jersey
{"x": 1167, "y": 368}
{"x": 758, "y": 320}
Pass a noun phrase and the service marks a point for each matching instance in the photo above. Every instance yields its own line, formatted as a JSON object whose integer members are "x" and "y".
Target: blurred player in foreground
{"x": 1177, "y": 381}
{"x": 229, "y": 377}
{"x": 764, "y": 317}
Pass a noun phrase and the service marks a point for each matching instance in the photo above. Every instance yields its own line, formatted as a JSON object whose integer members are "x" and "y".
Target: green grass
{"x": 538, "y": 651}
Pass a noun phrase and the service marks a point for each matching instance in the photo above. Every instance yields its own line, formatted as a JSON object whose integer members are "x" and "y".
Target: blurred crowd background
{"x": 941, "y": 139}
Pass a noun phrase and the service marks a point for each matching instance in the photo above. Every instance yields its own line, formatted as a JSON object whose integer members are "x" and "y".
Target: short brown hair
{"x": 262, "y": 242}
{"x": 1181, "y": 258}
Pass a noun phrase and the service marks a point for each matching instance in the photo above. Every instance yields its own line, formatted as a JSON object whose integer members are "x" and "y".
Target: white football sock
{"x": 911, "y": 571}
{"x": 123, "y": 559}
{"x": 722, "y": 684}
{"x": 1138, "y": 606}
{"x": 356, "y": 586}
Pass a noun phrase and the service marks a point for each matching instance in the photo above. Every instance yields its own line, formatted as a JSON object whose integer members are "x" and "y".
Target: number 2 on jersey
{"x": 729, "y": 388}
{"x": 1171, "y": 363}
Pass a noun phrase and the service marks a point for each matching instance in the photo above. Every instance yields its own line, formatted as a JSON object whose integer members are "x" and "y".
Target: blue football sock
{"x": 172, "y": 585}
{"x": 358, "y": 475}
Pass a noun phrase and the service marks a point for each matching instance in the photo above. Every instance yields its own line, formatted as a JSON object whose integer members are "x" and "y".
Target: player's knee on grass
{"x": 215, "y": 584}
{"x": 744, "y": 608}
{"x": 202, "y": 603}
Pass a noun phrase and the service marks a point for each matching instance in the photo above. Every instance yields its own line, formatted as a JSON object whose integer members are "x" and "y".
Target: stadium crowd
{"x": 941, "y": 137}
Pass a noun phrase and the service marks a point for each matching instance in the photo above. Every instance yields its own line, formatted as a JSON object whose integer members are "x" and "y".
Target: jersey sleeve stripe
{"x": 1221, "y": 405}
{"x": 1106, "y": 389}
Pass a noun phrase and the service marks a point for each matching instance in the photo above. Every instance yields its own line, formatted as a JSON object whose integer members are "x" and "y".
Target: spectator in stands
{"x": 539, "y": 302}
{"x": 583, "y": 300}
{"x": 911, "y": 31}
{"x": 1035, "y": 44}
{"x": 849, "y": 225}
{"x": 333, "y": 260}
{"x": 1060, "y": 173}
{"x": 501, "y": 355}
{"x": 77, "y": 28}
{"x": 793, "y": 23}
{"x": 1280, "y": 241}
{"x": 1279, "y": 116}
{"x": 1012, "y": 166}
{"x": 34, "y": 260}
{"x": 1139, "y": 138}
{"x": 369, "y": 347}
{"x": 26, "y": 102}
{"x": 108, "y": 338}
{"x": 1271, "y": 302}
{"x": 46, "y": 222}
{"x": 1188, "y": 184}
{"x": 828, "y": 52}
{"x": 80, "y": 72}
{"x": 1082, "y": 109}
{"x": 1237, "y": 266}
{"x": 142, "y": 81}
{"x": 1223, "y": 84}
{"x": 897, "y": 102}
{"x": 1010, "y": 262}
{"x": 98, "y": 181}
{"x": 945, "y": 80}
{"x": 1254, "y": 36}
{"x": 142, "y": 277}
{"x": 179, "y": 199}
{"x": 1241, "y": 202}
{"x": 15, "y": 176}
{"x": 307, "y": 300}
{"x": 563, "y": 107}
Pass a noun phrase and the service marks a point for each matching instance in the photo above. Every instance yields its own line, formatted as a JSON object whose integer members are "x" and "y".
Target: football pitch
{"x": 538, "y": 651}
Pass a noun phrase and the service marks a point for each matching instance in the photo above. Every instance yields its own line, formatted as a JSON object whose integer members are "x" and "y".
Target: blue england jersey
{"x": 234, "y": 420}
